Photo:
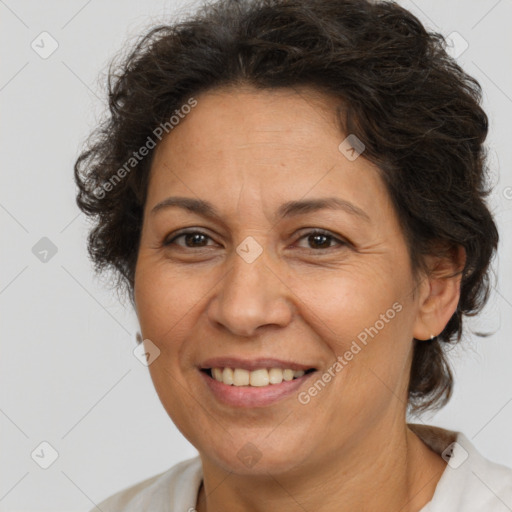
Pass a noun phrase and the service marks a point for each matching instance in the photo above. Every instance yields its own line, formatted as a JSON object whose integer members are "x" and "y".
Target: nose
{"x": 250, "y": 298}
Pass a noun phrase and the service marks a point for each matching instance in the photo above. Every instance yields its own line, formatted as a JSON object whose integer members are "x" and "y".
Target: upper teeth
{"x": 260, "y": 377}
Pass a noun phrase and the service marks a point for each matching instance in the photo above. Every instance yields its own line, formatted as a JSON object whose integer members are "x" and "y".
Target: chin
{"x": 246, "y": 457}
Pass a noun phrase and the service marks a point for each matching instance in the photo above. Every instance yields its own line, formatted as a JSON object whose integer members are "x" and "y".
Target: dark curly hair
{"x": 416, "y": 111}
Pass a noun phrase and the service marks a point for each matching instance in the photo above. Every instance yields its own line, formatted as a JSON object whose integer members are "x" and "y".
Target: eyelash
{"x": 314, "y": 232}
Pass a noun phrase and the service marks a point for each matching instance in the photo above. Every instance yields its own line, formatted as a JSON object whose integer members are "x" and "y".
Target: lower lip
{"x": 253, "y": 396}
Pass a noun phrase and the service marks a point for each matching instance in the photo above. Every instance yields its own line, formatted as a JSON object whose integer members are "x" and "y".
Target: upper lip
{"x": 252, "y": 364}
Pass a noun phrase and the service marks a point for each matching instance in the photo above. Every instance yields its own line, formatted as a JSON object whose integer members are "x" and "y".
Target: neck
{"x": 385, "y": 472}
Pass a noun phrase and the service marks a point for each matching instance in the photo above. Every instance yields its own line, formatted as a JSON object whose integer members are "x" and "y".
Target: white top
{"x": 469, "y": 483}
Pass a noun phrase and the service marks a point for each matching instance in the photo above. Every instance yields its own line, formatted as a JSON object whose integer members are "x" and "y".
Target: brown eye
{"x": 193, "y": 239}
{"x": 318, "y": 240}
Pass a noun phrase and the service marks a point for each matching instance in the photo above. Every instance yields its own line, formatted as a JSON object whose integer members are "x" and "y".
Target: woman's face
{"x": 255, "y": 288}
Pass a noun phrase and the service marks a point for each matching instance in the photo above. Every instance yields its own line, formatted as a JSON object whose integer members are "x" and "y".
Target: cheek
{"x": 369, "y": 371}
{"x": 165, "y": 302}
{"x": 344, "y": 302}
{"x": 363, "y": 319}
{"x": 165, "y": 299}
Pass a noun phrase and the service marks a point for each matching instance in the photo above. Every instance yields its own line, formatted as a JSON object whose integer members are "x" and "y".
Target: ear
{"x": 439, "y": 292}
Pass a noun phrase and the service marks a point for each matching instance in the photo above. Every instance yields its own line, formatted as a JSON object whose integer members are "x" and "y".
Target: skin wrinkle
{"x": 349, "y": 448}
{"x": 248, "y": 150}
{"x": 372, "y": 59}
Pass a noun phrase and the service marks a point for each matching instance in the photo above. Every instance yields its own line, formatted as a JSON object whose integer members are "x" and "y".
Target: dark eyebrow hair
{"x": 288, "y": 209}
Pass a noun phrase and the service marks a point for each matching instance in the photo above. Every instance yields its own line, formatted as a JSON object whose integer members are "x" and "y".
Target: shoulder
{"x": 470, "y": 482}
{"x": 174, "y": 489}
{"x": 488, "y": 484}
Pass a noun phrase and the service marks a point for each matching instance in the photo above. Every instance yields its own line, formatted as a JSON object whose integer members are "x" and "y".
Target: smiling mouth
{"x": 261, "y": 377}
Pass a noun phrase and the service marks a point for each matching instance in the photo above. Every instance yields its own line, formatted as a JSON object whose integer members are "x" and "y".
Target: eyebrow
{"x": 288, "y": 209}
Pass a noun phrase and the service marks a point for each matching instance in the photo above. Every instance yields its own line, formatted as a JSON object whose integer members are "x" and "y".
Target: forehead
{"x": 231, "y": 118}
{"x": 270, "y": 146}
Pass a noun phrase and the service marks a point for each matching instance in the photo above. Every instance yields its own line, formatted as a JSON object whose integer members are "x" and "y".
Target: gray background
{"x": 67, "y": 372}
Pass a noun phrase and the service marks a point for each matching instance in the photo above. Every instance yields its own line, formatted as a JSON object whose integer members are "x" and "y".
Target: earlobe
{"x": 442, "y": 292}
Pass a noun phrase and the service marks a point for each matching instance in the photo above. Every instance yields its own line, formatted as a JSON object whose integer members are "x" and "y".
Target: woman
{"x": 293, "y": 194}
